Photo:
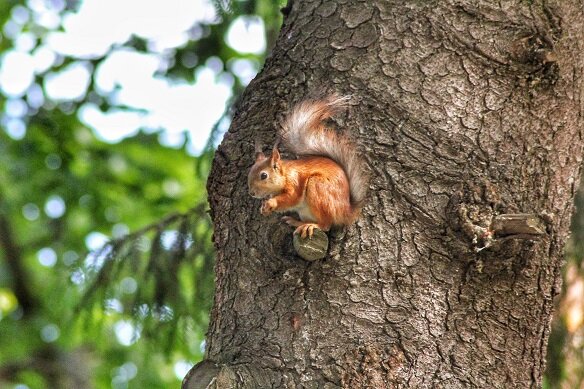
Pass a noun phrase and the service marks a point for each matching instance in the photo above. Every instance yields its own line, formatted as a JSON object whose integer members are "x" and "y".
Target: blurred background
{"x": 109, "y": 114}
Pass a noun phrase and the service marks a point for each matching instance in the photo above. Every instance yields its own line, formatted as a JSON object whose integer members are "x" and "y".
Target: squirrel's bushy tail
{"x": 304, "y": 133}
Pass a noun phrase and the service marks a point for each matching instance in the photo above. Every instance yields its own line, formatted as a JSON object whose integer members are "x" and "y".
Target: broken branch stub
{"x": 522, "y": 225}
{"x": 312, "y": 248}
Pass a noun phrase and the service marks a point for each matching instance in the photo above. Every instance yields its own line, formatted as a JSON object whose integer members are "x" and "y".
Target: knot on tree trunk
{"x": 311, "y": 248}
{"x": 476, "y": 213}
{"x": 210, "y": 375}
{"x": 201, "y": 375}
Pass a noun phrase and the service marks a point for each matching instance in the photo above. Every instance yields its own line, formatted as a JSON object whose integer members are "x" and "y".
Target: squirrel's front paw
{"x": 268, "y": 207}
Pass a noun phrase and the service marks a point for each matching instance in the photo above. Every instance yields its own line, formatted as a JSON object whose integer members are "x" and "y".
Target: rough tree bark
{"x": 468, "y": 112}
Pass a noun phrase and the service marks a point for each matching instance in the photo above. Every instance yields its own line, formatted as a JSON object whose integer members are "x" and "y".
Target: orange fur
{"x": 318, "y": 187}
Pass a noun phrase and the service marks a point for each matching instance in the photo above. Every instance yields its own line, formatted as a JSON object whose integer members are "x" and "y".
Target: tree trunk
{"x": 469, "y": 115}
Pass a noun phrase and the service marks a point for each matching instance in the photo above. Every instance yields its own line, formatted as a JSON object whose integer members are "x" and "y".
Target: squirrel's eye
{"x": 263, "y": 175}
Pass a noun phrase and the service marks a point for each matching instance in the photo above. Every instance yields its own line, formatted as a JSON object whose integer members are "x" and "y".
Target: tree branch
{"x": 518, "y": 225}
{"x": 13, "y": 257}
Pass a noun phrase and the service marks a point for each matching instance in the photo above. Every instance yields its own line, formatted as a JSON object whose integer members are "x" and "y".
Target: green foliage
{"x": 565, "y": 354}
{"x": 133, "y": 310}
{"x": 159, "y": 279}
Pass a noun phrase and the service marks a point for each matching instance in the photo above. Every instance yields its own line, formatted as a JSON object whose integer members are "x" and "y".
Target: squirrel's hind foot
{"x": 306, "y": 229}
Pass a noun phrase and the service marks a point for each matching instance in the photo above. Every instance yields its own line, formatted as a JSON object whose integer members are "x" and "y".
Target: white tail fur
{"x": 304, "y": 133}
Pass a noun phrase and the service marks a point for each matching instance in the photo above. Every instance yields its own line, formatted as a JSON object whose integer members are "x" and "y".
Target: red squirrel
{"x": 325, "y": 186}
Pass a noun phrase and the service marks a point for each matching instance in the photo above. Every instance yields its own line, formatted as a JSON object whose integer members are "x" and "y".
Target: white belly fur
{"x": 304, "y": 213}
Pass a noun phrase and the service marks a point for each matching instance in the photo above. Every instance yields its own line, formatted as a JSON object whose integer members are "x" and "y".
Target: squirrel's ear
{"x": 259, "y": 154}
{"x": 275, "y": 160}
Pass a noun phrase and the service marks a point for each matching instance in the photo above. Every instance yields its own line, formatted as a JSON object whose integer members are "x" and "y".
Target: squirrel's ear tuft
{"x": 259, "y": 154}
{"x": 275, "y": 160}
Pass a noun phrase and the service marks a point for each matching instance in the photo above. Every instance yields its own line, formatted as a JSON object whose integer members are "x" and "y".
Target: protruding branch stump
{"x": 312, "y": 248}
{"x": 520, "y": 225}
